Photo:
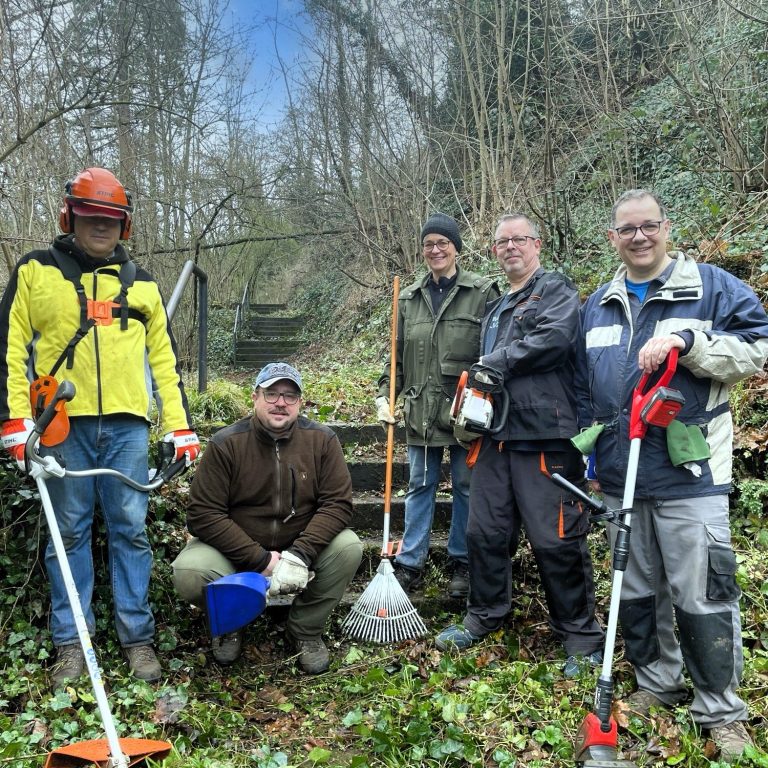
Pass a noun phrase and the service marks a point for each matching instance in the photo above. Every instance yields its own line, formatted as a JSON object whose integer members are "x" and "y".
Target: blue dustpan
{"x": 234, "y": 601}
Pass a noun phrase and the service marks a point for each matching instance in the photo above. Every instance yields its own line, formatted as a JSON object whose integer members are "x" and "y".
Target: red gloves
{"x": 185, "y": 443}
{"x": 15, "y": 434}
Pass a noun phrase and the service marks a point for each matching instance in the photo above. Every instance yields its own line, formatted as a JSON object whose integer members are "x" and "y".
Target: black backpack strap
{"x": 72, "y": 272}
{"x": 127, "y": 277}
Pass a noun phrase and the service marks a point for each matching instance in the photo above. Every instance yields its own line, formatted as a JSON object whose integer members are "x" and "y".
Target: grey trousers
{"x": 199, "y": 564}
{"x": 681, "y": 571}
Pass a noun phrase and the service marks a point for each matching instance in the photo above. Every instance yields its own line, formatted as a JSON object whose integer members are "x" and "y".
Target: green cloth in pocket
{"x": 686, "y": 443}
{"x": 585, "y": 441}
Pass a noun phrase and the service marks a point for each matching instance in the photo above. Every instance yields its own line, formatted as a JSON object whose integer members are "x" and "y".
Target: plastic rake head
{"x": 383, "y": 613}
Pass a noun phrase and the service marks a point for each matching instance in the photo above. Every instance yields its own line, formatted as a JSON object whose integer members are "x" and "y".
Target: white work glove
{"x": 382, "y": 411}
{"x": 289, "y": 576}
{"x": 16, "y": 432}
{"x": 185, "y": 444}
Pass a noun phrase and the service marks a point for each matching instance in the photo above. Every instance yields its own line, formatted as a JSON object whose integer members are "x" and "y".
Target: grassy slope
{"x": 503, "y": 703}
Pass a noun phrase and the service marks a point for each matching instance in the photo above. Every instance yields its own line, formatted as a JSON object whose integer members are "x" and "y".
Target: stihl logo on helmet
{"x": 96, "y": 192}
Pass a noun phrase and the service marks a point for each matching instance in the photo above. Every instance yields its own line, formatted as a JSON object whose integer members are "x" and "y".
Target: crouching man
{"x": 273, "y": 494}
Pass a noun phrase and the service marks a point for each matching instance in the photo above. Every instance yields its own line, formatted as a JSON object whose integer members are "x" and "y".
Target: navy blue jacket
{"x": 726, "y": 333}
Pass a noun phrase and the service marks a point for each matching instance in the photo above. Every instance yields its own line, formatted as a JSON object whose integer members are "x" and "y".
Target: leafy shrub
{"x": 221, "y": 323}
{"x": 222, "y": 403}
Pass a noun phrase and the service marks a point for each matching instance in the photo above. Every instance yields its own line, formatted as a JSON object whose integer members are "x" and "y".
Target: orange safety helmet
{"x": 96, "y": 192}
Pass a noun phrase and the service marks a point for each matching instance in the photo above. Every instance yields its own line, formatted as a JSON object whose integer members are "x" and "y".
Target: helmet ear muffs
{"x": 127, "y": 227}
{"x": 66, "y": 222}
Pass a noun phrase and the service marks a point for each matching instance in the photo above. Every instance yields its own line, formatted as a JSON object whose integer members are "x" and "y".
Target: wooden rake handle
{"x": 386, "y": 546}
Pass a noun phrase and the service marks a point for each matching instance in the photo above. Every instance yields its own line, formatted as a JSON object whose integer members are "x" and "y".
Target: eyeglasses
{"x": 290, "y": 398}
{"x": 441, "y": 245}
{"x": 648, "y": 229}
{"x": 518, "y": 241}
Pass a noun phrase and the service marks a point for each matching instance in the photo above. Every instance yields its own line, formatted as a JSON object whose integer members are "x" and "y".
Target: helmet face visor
{"x": 86, "y": 209}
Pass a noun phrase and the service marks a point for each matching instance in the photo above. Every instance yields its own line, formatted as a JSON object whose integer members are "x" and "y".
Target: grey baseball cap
{"x": 273, "y": 372}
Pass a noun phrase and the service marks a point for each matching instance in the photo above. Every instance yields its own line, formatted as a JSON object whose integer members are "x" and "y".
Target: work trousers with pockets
{"x": 199, "y": 564}
{"x": 682, "y": 570}
{"x": 509, "y": 490}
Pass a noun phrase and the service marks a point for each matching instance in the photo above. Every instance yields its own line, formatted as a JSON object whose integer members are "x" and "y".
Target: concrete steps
{"x": 368, "y": 473}
{"x": 368, "y": 476}
{"x": 267, "y": 336}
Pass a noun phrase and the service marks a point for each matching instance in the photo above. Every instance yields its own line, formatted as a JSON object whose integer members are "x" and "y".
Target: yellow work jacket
{"x": 114, "y": 371}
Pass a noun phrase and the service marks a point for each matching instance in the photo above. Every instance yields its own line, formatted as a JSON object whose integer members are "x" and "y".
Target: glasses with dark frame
{"x": 441, "y": 245}
{"x": 648, "y": 229}
{"x": 518, "y": 241}
{"x": 290, "y": 398}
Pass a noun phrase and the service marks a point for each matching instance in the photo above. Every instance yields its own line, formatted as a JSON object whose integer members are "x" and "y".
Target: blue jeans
{"x": 115, "y": 442}
{"x": 424, "y": 463}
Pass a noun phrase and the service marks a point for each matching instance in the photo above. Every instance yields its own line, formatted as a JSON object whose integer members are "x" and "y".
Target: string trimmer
{"x": 112, "y": 751}
{"x": 597, "y": 740}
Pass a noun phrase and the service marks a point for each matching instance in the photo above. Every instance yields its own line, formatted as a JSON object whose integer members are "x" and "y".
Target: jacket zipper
{"x": 97, "y": 360}
{"x": 293, "y": 496}
{"x": 278, "y": 496}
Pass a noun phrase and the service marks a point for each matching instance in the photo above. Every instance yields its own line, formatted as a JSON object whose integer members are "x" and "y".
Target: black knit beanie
{"x": 441, "y": 224}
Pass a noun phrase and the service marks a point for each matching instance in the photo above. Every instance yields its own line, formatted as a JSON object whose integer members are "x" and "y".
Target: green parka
{"x": 433, "y": 351}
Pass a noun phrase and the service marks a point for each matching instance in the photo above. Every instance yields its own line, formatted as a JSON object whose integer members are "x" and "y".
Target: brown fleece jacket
{"x": 252, "y": 493}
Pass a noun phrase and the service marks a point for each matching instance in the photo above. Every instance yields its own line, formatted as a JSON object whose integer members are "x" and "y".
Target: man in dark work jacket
{"x": 529, "y": 335}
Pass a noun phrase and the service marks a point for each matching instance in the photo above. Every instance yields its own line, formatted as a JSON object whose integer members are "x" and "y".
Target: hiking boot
{"x": 575, "y": 664}
{"x": 227, "y": 648}
{"x": 143, "y": 662}
{"x": 459, "y": 586}
{"x": 313, "y": 655}
{"x": 456, "y": 638}
{"x": 408, "y": 578}
{"x": 641, "y": 701}
{"x": 731, "y": 739}
{"x": 70, "y": 664}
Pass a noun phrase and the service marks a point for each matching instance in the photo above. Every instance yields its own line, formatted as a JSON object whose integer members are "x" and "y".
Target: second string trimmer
{"x": 657, "y": 405}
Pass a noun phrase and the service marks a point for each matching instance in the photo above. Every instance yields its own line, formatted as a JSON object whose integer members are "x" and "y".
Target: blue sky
{"x": 270, "y": 27}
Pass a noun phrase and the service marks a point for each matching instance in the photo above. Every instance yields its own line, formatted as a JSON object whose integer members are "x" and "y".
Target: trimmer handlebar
{"x": 64, "y": 393}
{"x": 659, "y": 404}
{"x": 161, "y": 474}
{"x": 600, "y": 510}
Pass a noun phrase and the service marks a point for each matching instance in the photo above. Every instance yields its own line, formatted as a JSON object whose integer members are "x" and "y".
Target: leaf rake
{"x": 383, "y": 613}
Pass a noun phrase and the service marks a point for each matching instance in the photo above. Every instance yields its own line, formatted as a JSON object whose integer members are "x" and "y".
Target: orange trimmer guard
{"x": 96, "y": 753}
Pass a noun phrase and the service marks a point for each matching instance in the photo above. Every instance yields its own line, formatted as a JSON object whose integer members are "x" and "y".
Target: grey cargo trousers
{"x": 681, "y": 571}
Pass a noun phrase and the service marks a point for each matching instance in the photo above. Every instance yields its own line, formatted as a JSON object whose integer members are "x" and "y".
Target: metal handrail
{"x": 189, "y": 269}
{"x": 241, "y": 313}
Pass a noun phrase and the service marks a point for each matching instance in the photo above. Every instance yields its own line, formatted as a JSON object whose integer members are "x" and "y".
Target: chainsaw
{"x": 472, "y": 410}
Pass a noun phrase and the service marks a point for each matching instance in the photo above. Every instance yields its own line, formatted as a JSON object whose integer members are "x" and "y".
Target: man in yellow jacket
{"x": 81, "y": 310}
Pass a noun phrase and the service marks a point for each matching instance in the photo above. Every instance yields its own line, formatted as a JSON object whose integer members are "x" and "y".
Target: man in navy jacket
{"x": 681, "y": 568}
